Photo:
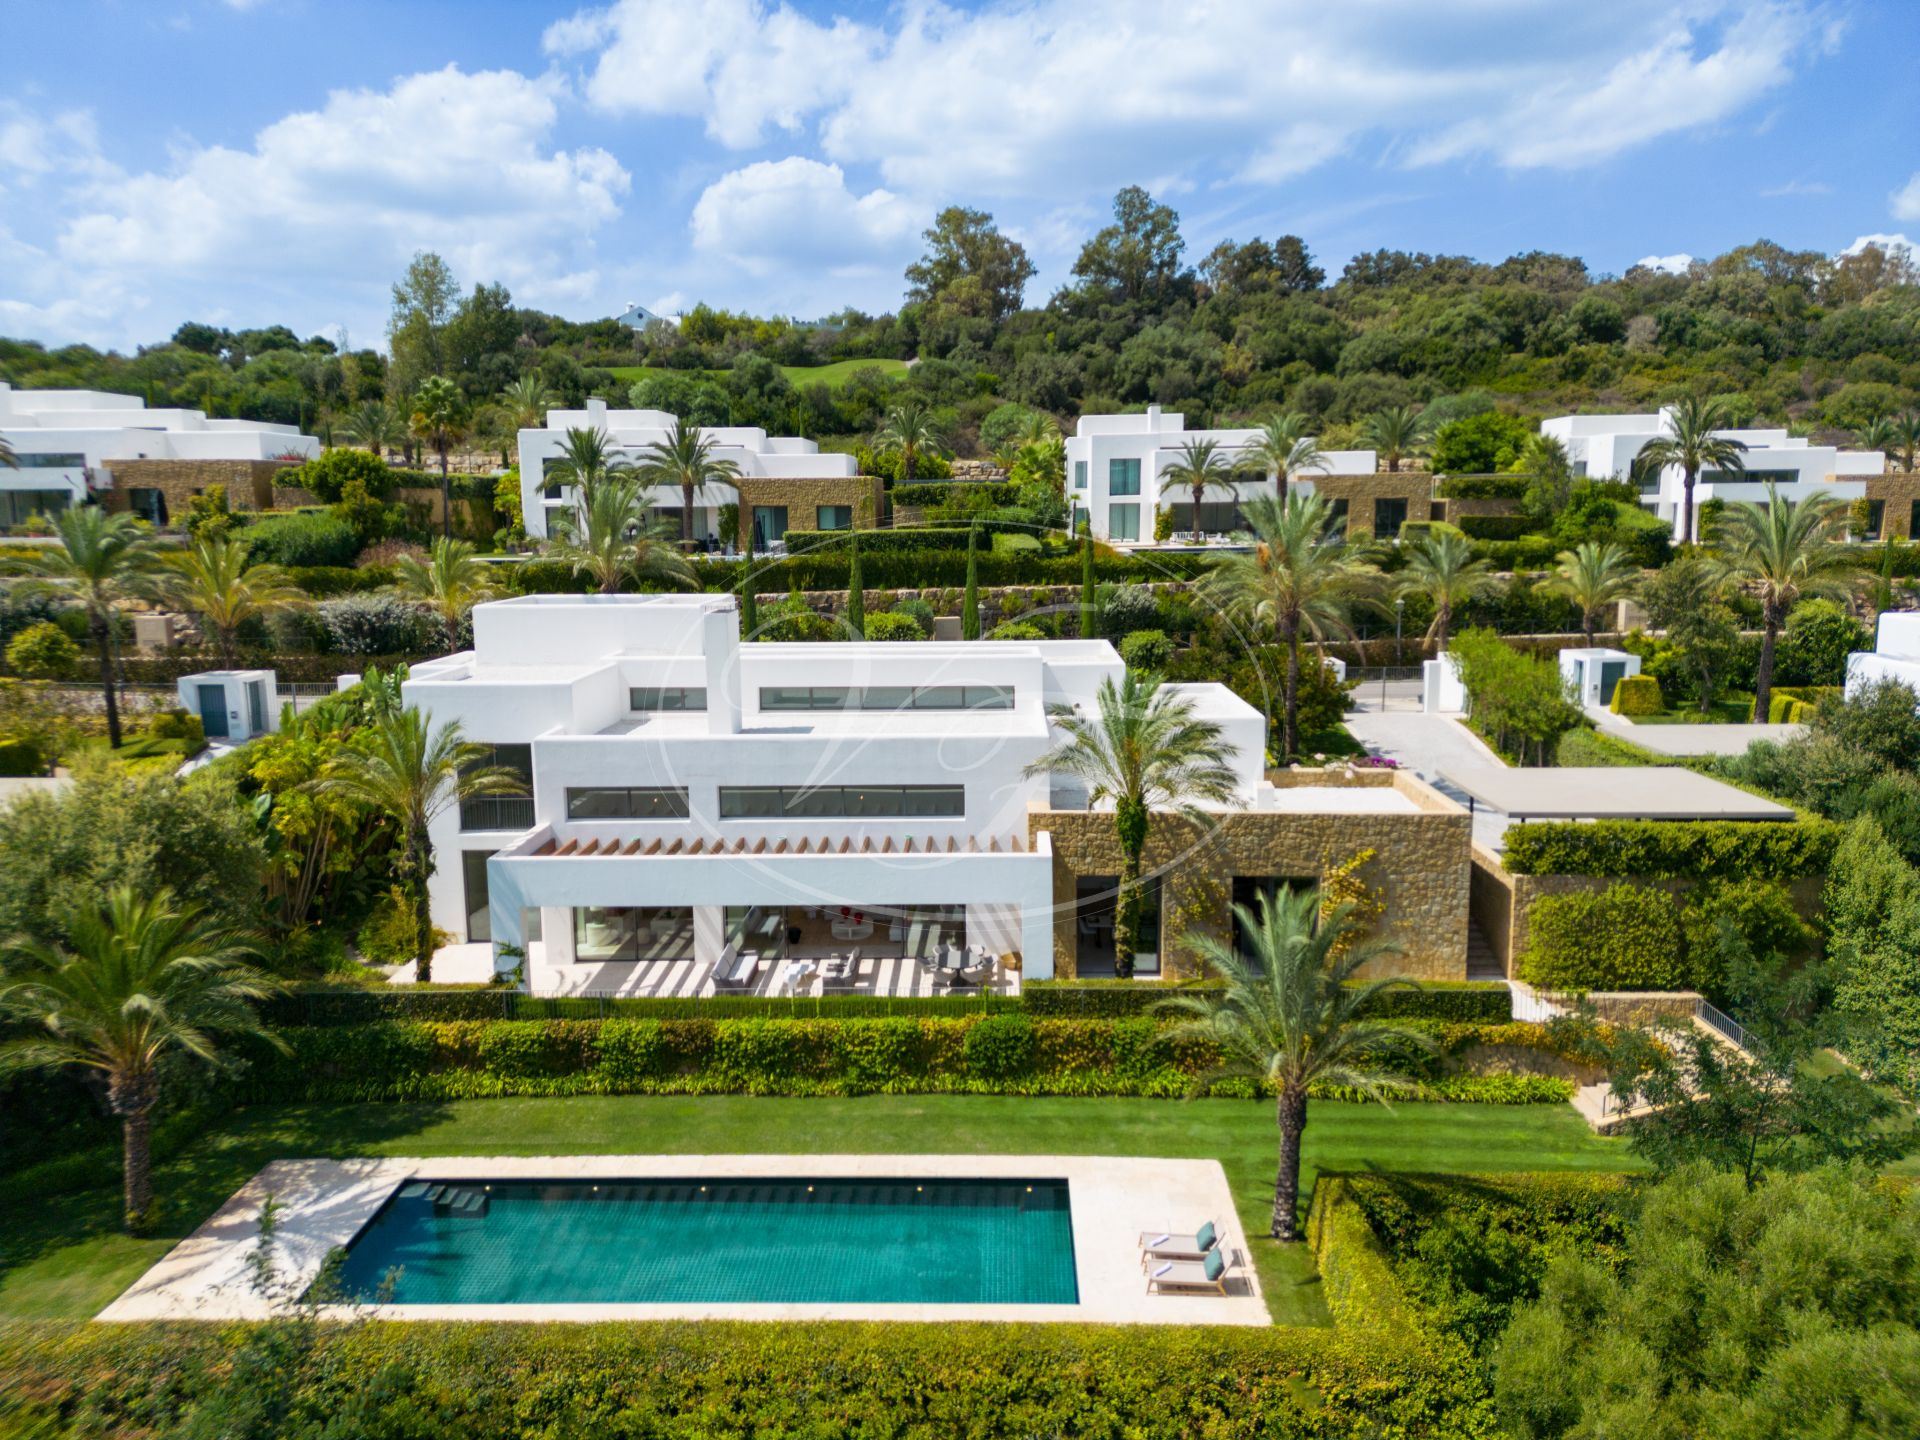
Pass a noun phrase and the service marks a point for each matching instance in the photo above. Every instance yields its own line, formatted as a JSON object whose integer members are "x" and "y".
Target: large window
{"x": 1217, "y": 517}
{"x": 27, "y": 460}
{"x": 632, "y": 932}
{"x": 1749, "y": 477}
{"x": 1079, "y": 474}
{"x": 1123, "y": 522}
{"x": 501, "y": 812}
{"x": 1096, "y": 900}
{"x": 833, "y": 517}
{"x": 820, "y": 802}
{"x": 473, "y": 873}
{"x": 17, "y": 505}
{"x": 769, "y": 525}
{"x": 1876, "y": 520}
{"x": 602, "y": 802}
{"x": 1389, "y": 514}
{"x": 1123, "y": 477}
{"x": 886, "y": 697}
{"x": 666, "y": 697}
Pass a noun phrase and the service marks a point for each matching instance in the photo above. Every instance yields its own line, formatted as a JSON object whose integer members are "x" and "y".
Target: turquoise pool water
{"x": 953, "y": 1242}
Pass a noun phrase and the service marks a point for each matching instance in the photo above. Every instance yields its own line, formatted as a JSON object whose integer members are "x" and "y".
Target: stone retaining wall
{"x": 249, "y": 483}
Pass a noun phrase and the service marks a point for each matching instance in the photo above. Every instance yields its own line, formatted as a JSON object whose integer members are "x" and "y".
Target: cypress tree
{"x": 1087, "y": 626}
{"x": 856, "y": 591}
{"x": 970, "y": 606}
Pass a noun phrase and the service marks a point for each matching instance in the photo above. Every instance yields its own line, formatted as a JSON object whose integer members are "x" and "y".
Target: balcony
{"x": 497, "y": 812}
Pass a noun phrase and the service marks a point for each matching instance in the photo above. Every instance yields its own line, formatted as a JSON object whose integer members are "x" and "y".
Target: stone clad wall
{"x": 249, "y": 482}
{"x": 1360, "y": 491}
{"x": 802, "y": 497}
{"x": 1898, "y": 489}
{"x": 1421, "y": 869}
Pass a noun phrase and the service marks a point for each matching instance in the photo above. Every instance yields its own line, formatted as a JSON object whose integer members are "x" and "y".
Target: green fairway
{"x": 63, "y": 1256}
{"x": 833, "y": 375}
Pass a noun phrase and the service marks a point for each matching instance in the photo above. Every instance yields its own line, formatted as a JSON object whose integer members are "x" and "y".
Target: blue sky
{"x": 256, "y": 161}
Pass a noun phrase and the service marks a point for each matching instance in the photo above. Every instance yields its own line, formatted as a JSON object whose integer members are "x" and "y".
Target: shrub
{"x": 1637, "y": 695}
{"x": 302, "y": 539}
{"x": 1798, "y": 704}
{"x": 1483, "y": 487}
{"x": 891, "y": 625}
{"x": 1495, "y": 527}
{"x": 1147, "y": 650}
{"x": 388, "y": 937}
{"x": 1624, "y": 938}
{"x": 326, "y": 475}
{"x": 1814, "y": 646}
{"x": 43, "y": 652}
{"x": 324, "y": 581}
{"x": 1762, "y": 913}
{"x": 377, "y": 625}
{"x": 1671, "y": 849}
{"x": 1000, "y": 1047}
{"x": 1127, "y": 609}
{"x": 921, "y": 612}
{"x": 1469, "y": 1002}
{"x": 1016, "y": 630}
{"x": 793, "y": 619}
{"x": 21, "y": 755}
{"x": 178, "y": 724}
{"x": 994, "y": 492}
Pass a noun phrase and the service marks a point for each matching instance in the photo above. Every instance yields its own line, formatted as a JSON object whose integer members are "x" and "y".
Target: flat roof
{"x": 1334, "y": 800}
{"x": 1612, "y": 792}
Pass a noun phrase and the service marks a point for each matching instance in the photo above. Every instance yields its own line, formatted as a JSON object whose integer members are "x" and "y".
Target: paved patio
{"x": 323, "y": 1204}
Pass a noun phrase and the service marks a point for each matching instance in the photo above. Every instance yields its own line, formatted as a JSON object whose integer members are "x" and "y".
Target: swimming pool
{"x": 815, "y": 1240}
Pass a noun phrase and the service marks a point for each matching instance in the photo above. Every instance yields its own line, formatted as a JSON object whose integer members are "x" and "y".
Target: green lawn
{"x": 834, "y": 375}
{"x": 62, "y": 1256}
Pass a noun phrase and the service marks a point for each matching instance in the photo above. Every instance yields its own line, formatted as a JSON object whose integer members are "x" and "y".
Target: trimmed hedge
{"x": 996, "y": 1054}
{"x": 1483, "y": 487}
{"x": 1637, "y": 695}
{"x": 1469, "y": 1002}
{"x": 1495, "y": 527}
{"x": 723, "y": 1380}
{"x": 1672, "y": 849}
{"x": 325, "y": 581}
{"x": 1624, "y": 938}
{"x": 1795, "y": 704}
{"x": 337, "y": 1006}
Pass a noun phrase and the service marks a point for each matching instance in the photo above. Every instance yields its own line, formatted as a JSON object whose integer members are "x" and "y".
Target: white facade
{"x": 65, "y": 439}
{"x": 1604, "y": 447}
{"x": 1895, "y": 655}
{"x": 902, "y": 793}
{"x": 233, "y": 705}
{"x": 633, "y": 431}
{"x": 1115, "y": 464}
{"x": 1591, "y": 673}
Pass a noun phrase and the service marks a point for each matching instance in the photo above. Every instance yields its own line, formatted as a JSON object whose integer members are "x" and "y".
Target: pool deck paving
{"x": 321, "y": 1205}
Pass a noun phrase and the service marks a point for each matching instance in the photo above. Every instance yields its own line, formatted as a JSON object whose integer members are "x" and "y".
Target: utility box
{"x": 233, "y": 705}
{"x": 156, "y": 632}
{"x": 1593, "y": 673}
{"x": 1441, "y": 691}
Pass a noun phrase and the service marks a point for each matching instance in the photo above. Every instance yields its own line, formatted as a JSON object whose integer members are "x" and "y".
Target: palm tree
{"x": 1290, "y": 1018}
{"x": 1038, "y": 428}
{"x": 1441, "y": 568}
{"x": 404, "y": 767}
{"x": 685, "y": 458}
{"x": 613, "y": 537}
{"x": 1782, "y": 553}
{"x": 1283, "y": 449}
{"x": 587, "y": 456}
{"x": 1881, "y": 433}
{"x": 910, "y": 429}
{"x": 1298, "y": 578}
{"x": 103, "y": 559}
{"x": 374, "y": 424}
{"x": 215, "y": 581}
{"x": 1906, "y": 439}
{"x": 1145, "y": 751}
{"x": 8, "y": 460}
{"x": 1198, "y": 466}
{"x": 1593, "y": 575}
{"x": 140, "y": 976}
{"x": 1395, "y": 433}
{"x": 525, "y": 403}
{"x": 1694, "y": 447}
{"x": 452, "y": 580}
{"x": 440, "y": 416}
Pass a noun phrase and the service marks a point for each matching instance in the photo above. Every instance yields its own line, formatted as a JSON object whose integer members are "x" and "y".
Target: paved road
{"x": 1692, "y": 739}
{"x": 1431, "y": 746}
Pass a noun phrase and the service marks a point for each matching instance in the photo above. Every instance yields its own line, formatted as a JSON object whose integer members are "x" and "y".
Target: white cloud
{"x": 1796, "y": 187}
{"x": 740, "y": 65}
{"x": 799, "y": 213}
{"x": 1668, "y": 264}
{"x": 335, "y": 200}
{"x": 1892, "y": 244}
{"x": 1906, "y": 200}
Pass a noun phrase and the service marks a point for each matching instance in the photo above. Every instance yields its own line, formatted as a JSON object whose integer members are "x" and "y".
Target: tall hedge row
{"x": 1003, "y": 1054}
{"x": 1672, "y": 849}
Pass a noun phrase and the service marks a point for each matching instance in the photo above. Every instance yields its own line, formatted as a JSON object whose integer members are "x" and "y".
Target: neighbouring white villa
{"x": 1605, "y": 447}
{"x": 710, "y": 816}
{"x": 840, "y": 498}
{"x": 1895, "y": 655}
{"x": 72, "y": 442}
{"x": 1115, "y": 464}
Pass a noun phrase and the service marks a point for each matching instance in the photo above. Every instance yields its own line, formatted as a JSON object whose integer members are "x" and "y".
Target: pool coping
{"x": 322, "y": 1204}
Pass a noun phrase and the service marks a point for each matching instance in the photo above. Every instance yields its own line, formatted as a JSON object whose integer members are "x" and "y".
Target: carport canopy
{"x": 1611, "y": 792}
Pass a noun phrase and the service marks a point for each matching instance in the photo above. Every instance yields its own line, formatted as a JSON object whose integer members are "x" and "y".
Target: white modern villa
{"x": 1605, "y": 447}
{"x": 1895, "y": 655}
{"x": 771, "y": 509}
{"x": 70, "y": 442}
{"x": 1115, "y": 465}
{"x": 705, "y": 815}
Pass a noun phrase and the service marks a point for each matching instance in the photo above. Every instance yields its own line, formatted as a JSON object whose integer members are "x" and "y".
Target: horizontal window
{"x": 833, "y": 517}
{"x": 815, "y": 802}
{"x": 887, "y": 697}
{"x": 600, "y": 802}
{"x": 666, "y": 697}
{"x": 27, "y": 460}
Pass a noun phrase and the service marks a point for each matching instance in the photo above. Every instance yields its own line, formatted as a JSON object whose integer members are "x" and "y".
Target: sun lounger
{"x": 734, "y": 975}
{"x": 841, "y": 976}
{"x": 1157, "y": 1245}
{"x": 1192, "y": 1277}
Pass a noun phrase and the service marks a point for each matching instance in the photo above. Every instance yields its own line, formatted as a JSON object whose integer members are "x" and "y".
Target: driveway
{"x": 1683, "y": 740}
{"x": 1431, "y": 746}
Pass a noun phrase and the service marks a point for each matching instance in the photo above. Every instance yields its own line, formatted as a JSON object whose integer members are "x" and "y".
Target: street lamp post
{"x": 1399, "y": 610}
